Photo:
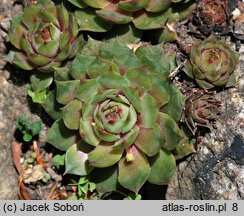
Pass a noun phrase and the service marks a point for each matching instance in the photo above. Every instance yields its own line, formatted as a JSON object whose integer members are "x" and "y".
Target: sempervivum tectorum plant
{"x": 114, "y": 102}
{"x": 44, "y": 36}
{"x": 211, "y": 15}
{"x": 212, "y": 63}
{"x": 145, "y": 14}
{"x": 201, "y": 107}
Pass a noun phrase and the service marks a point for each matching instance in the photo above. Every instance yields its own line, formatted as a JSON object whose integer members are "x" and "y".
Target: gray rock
{"x": 6, "y": 23}
{"x": 10, "y": 108}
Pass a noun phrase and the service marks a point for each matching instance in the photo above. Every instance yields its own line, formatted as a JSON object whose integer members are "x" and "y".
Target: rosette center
{"x": 115, "y": 115}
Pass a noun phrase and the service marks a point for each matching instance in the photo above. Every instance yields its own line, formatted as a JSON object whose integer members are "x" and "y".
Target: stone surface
{"x": 12, "y": 104}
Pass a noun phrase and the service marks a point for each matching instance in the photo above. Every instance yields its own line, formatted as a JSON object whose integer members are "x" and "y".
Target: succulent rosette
{"x": 114, "y": 101}
{"x": 44, "y": 36}
{"x": 201, "y": 107}
{"x": 212, "y": 15}
{"x": 99, "y": 16}
{"x": 212, "y": 64}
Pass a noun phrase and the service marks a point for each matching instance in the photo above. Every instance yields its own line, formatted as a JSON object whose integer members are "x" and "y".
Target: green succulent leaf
{"x": 163, "y": 167}
{"x": 104, "y": 150}
{"x": 96, "y": 3}
{"x": 188, "y": 69}
{"x": 231, "y": 82}
{"x": 150, "y": 141}
{"x": 159, "y": 91}
{"x": 106, "y": 179}
{"x": 50, "y": 15}
{"x": 92, "y": 47}
{"x": 16, "y": 31}
{"x": 66, "y": 90}
{"x": 62, "y": 74}
{"x": 87, "y": 88}
{"x": 186, "y": 10}
{"x": 36, "y": 128}
{"x": 71, "y": 114}
{"x": 127, "y": 60}
{"x": 80, "y": 66}
{"x": 40, "y": 81}
{"x": 112, "y": 14}
{"x": 77, "y": 45}
{"x": 87, "y": 132}
{"x": 37, "y": 97}
{"x": 76, "y": 159}
{"x": 49, "y": 49}
{"x": 125, "y": 33}
{"x": 158, "y": 5}
{"x": 133, "y": 174}
{"x": 89, "y": 21}
{"x": 138, "y": 79}
{"x": 108, "y": 51}
{"x": 168, "y": 34}
{"x": 64, "y": 54}
{"x": 154, "y": 59}
{"x": 78, "y": 3}
{"x": 112, "y": 81}
{"x": 128, "y": 139}
{"x": 38, "y": 59}
{"x": 60, "y": 136}
{"x": 204, "y": 84}
{"x": 149, "y": 111}
{"x": 148, "y": 20}
{"x": 104, "y": 135}
{"x": 51, "y": 106}
{"x": 133, "y": 6}
{"x": 20, "y": 59}
{"x": 170, "y": 131}
{"x": 133, "y": 97}
{"x": 175, "y": 104}
{"x": 130, "y": 121}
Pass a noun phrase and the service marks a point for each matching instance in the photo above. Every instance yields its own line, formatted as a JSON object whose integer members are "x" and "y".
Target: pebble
{"x": 241, "y": 117}
{"x": 5, "y": 23}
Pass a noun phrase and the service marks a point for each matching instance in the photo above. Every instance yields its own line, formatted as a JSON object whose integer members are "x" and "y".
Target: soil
{"x": 216, "y": 171}
{"x": 12, "y": 104}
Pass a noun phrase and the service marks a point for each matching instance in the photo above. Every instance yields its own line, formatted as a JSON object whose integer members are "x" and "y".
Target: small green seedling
{"x": 133, "y": 196}
{"x": 29, "y": 129}
{"x": 46, "y": 178}
{"x": 31, "y": 158}
{"x": 84, "y": 187}
{"x": 58, "y": 160}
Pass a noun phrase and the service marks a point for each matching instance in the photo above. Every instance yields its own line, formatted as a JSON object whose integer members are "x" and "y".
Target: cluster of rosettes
{"x": 116, "y": 109}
